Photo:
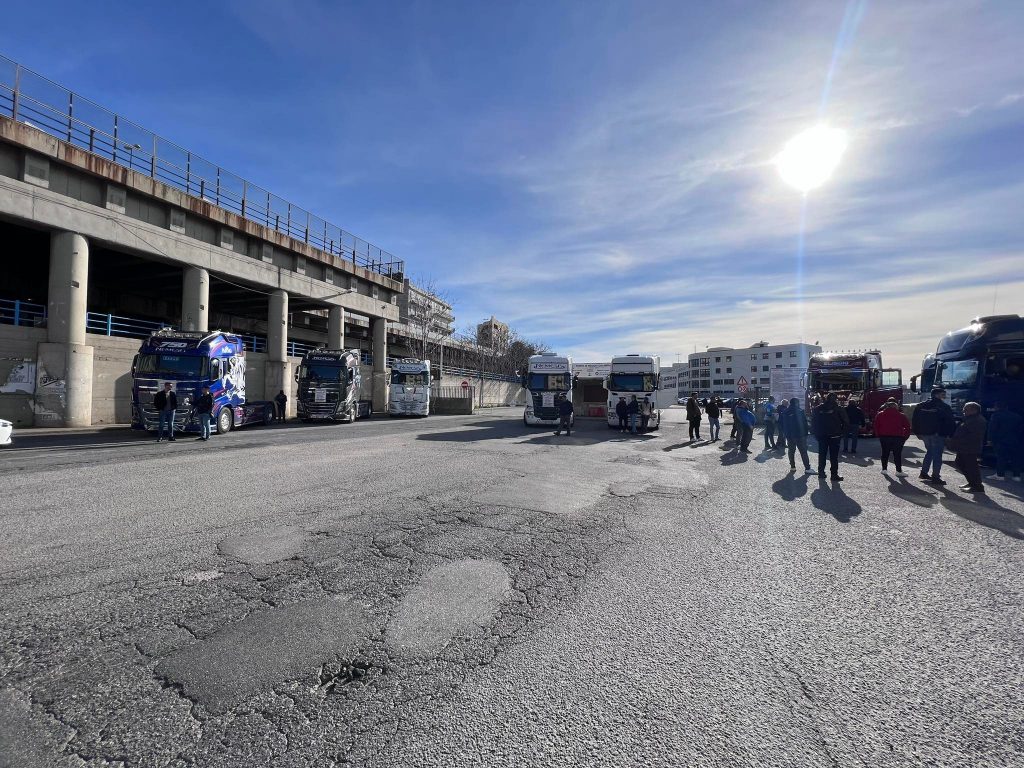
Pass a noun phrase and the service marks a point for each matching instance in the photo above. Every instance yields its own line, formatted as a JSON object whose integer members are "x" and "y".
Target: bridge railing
{"x": 17, "y": 312}
{"x": 30, "y": 98}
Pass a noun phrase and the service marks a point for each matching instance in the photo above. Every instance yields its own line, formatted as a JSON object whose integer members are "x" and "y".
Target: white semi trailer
{"x": 547, "y": 376}
{"x": 634, "y": 375}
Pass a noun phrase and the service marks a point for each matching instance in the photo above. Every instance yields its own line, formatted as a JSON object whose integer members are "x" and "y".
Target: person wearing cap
{"x": 892, "y": 429}
{"x": 622, "y": 411}
{"x": 933, "y": 422}
{"x": 968, "y": 441}
{"x": 204, "y": 410}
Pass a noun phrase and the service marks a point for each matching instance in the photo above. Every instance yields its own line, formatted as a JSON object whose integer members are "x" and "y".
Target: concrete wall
{"x": 494, "y": 393}
{"x": 112, "y": 378}
{"x": 18, "y": 349}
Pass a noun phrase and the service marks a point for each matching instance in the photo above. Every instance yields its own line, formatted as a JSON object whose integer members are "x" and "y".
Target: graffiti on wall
{"x": 22, "y": 378}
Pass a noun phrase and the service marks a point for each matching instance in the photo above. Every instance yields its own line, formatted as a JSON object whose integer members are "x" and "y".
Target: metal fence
{"x": 30, "y": 98}
{"x": 16, "y": 312}
{"x": 456, "y": 392}
{"x": 114, "y": 325}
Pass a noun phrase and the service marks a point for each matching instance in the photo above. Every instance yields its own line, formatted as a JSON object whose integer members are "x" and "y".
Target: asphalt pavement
{"x": 464, "y": 590}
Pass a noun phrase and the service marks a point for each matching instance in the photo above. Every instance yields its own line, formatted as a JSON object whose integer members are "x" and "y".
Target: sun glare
{"x": 809, "y": 158}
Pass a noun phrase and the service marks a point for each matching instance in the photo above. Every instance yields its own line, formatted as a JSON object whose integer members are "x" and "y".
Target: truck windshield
{"x": 631, "y": 382}
{"x": 953, "y": 342}
{"x": 846, "y": 381}
{"x": 419, "y": 379}
{"x": 322, "y": 372}
{"x": 959, "y": 373}
{"x": 174, "y": 366}
{"x": 549, "y": 382}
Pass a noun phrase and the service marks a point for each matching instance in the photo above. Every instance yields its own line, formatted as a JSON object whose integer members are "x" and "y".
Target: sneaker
{"x": 822, "y": 474}
{"x": 900, "y": 473}
{"x": 976, "y": 489}
{"x": 885, "y": 470}
{"x": 937, "y": 481}
{"x": 923, "y": 476}
{"x": 836, "y": 479}
{"x": 171, "y": 440}
{"x": 808, "y": 471}
{"x": 792, "y": 467}
{"x": 159, "y": 439}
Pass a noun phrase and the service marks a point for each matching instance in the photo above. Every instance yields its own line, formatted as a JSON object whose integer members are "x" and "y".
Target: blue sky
{"x": 600, "y": 174}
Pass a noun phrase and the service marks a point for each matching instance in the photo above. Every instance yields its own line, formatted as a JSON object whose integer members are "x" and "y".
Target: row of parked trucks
{"x": 328, "y": 383}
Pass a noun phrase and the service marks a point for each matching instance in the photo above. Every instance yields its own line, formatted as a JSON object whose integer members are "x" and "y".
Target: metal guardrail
{"x": 466, "y": 392}
{"x": 17, "y": 312}
{"x": 114, "y": 325}
{"x": 31, "y": 98}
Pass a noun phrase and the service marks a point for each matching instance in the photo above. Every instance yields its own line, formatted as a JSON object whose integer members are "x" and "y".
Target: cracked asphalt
{"x": 464, "y": 591}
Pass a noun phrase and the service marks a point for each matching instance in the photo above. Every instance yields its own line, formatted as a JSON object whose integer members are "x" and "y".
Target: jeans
{"x": 850, "y": 439}
{"x": 769, "y": 435}
{"x": 801, "y": 444}
{"x": 695, "y": 429}
{"x": 713, "y": 427}
{"x": 968, "y": 464}
{"x": 643, "y": 422}
{"x": 780, "y": 439}
{"x": 933, "y": 447}
{"x": 564, "y": 423}
{"x": 204, "y": 425}
{"x": 892, "y": 446}
{"x": 166, "y": 419}
{"x": 622, "y": 423}
{"x": 746, "y": 435}
{"x": 828, "y": 448}
{"x": 632, "y": 422}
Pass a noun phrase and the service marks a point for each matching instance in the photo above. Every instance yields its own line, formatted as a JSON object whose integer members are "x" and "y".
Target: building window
{"x": 718, "y": 359}
{"x": 792, "y": 365}
{"x": 717, "y": 382}
{"x": 730, "y": 381}
{"x": 753, "y": 357}
{"x": 718, "y": 370}
{"x": 764, "y": 355}
{"x": 728, "y": 358}
{"x": 792, "y": 353}
{"x": 728, "y": 370}
{"x": 753, "y": 368}
{"x": 778, "y": 366}
{"x": 764, "y": 367}
{"x": 778, "y": 354}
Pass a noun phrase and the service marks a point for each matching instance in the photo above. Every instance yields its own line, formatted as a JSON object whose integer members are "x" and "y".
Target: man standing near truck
{"x": 933, "y": 422}
{"x": 281, "y": 404}
{"x": 564, "y": 416}
{"x": 204, "y": 410}
{"x": 166, "y": 403}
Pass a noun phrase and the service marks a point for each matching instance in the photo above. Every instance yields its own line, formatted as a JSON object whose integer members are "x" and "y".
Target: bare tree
{"x": 427, "y": 315}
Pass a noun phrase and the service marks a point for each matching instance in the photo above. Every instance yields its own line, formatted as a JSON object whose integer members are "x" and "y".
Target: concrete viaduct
{"x": 86, "y": 201}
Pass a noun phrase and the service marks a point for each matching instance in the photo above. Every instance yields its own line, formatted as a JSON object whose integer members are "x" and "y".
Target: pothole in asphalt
{"x": 264, "y": 547}
{"x": 197, "y": 577}
{"x": 345, "y": 673}
{"x": 636, "y": 461}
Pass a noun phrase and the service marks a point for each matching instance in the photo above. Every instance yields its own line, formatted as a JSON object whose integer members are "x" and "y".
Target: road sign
{"x": 465, "y": 384}
{"x": 741, "y": 386}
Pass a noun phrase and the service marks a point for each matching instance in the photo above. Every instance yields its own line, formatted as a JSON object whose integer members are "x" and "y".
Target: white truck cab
{"x": 410, "y": 388}
{"x": 547, "y": 376}
{"x": 634, "y": 375}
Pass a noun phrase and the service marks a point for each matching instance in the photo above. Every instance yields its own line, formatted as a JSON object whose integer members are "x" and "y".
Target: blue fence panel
{"x": 27, "y": 313}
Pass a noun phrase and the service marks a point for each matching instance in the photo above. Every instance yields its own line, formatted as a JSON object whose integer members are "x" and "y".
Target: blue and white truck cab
{"x": 547, "y": 376}
{"x": 190, "y": 360}
{"x": 329, "y": 384}
{"x": 410, "y": 388}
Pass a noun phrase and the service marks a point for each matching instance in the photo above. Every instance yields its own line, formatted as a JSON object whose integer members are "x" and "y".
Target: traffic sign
{"x": 465, "y": 384}
{"x": 741, "y": 386}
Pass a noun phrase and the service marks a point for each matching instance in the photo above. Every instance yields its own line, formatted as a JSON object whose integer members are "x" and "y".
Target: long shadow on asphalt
{"x": 984, "y": 511}
{"x": 504, "y": 429}
{"x": 907, "y": 491}
{"x": 791, "y": 487}
{"x": 733, "y": 457}
{"x": 834, "y": 501}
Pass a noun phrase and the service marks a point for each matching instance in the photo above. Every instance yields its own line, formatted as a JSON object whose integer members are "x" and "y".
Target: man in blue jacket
{"x": 932, "y": 423}
{"x": 564, "y": 415}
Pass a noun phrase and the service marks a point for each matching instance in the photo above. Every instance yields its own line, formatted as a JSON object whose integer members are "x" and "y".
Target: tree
{"x": 427, "y": 316}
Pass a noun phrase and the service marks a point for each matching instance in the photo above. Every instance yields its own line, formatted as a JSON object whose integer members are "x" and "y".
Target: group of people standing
{"x": 836, "y": 425}
{"x": 629, "y": 413}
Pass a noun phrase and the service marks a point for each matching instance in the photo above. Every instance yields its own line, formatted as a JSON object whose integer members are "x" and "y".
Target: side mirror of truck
{"x": 135, "y": 364}
{"x": 913, "y": 383}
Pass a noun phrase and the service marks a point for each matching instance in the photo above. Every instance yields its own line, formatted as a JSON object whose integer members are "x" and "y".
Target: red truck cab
{"x": 857, "y": 375}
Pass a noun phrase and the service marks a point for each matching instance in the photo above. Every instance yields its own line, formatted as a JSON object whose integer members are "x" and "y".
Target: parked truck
{"x": 410, "y": 388}
{"x": 190, "y": 360}
{"x": 329, "y": 385}
{"x": 634, "y": 375}
{"x": 547, "y": 376}
{"x": 858, "y": 375}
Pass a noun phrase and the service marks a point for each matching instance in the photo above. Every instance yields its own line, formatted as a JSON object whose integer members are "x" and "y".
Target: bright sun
{"x": 809, "y": 158}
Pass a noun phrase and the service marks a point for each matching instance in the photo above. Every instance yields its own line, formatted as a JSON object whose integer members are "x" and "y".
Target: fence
{"x": 30, "y": 98}
{"x": 453, "y": 392}
{"x": 16, "y": 312}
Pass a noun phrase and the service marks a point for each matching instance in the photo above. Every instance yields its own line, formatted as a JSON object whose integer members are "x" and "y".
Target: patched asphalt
{"x": 468, "y": 591}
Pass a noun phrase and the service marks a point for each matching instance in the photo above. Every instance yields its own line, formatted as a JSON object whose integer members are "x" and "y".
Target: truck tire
{"x": 225, "y": 420}
{"x": 525, "y": 422}
{"x": 268, "y": 417}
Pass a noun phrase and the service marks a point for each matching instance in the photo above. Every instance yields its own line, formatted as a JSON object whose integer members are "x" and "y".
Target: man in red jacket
{"x": 893, "y": 429}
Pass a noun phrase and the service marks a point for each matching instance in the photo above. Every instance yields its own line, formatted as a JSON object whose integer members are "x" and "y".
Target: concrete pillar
{"x": 195, "y": 300}
{"x": 336, "y": 328}
{"x": 278, "y": 371}
{"x": 64, "y": 362}
{"x": 379, "y": 331}
{"x": 69, "y": 288}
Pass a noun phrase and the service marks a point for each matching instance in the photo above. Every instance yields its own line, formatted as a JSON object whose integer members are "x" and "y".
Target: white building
{"x": 720, "y": 370}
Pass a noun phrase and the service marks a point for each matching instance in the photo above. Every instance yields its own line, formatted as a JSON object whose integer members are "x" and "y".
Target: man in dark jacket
{"x": 932, "y": 423}
{"x": 794, "y": 425}
{"x": 714, "y": 412}
{"x": 1006, "y": 433}
{"x": 830, "y": 424}
{"x": 564, "y": 415}
{"x": 693, "y": 416}
{"x": 622, "y": 411}
{"x": 633, "y": 411}
{"x": 166, "y": 403}
{"x": 968, "y": 441}
{"x": 281, "y": 405}
{"x": 204, "y": 410}
{"x": 855, "y": 416}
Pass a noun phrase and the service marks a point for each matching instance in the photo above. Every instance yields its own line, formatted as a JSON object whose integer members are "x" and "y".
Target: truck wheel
{"x": 268, "y": 417}
{"x": 525, "y": 422}
{"x": 225, "y": 420}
